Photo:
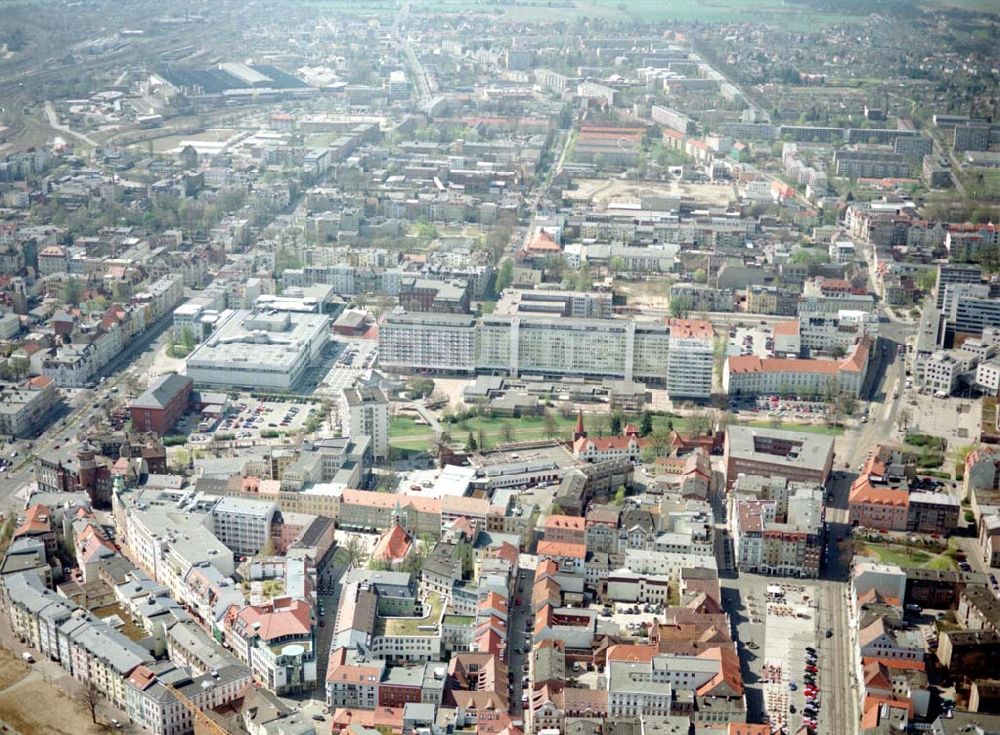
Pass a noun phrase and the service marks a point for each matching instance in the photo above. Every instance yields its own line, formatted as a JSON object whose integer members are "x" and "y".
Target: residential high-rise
{"x": 690, "y": 359}
{"x": 366, "y": 411}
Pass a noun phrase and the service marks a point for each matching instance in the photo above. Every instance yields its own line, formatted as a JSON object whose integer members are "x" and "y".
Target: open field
{"x": 911, "y": 557}
{"x": 12, "y": 669}
{"x": 806, "y": 428}
{"x": 36, "y": 707}
{"x": 212, "y": 135}
{"x": 602, "y": 191}
{"x": 653, "y": 293}
{"x": 406, "y": 433}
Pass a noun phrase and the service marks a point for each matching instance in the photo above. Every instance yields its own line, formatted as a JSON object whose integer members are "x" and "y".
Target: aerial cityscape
{"x": 500, "y": 367}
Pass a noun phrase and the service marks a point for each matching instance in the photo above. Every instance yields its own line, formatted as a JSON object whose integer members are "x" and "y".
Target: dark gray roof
{"x": 162, "y": 391}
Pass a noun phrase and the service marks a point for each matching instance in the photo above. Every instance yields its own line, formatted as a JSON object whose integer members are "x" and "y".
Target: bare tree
{"x": 440, "y": 442}
{"x": 903, "y": 419}
{"x": 551, "y": 426}
{"x": 355, "y": 551}
{"x": 699, "y": 424}
{"x": 89, "y": 696}
{"x": 507, "y": 431}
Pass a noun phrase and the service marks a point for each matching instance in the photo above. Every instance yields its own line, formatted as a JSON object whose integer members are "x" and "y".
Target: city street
{"x": 136, "y": 359}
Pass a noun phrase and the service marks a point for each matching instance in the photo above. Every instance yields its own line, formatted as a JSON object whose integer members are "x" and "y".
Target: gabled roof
{"x": 37, "y": 520}
{"x": 393, "y": 545}
{"x": 561, "y": 549}
{"x": 632, "y": 653}
{"x": 279, "y": 619}
{"x": 728, "y": 682}
{"x": 563, "y": 521}
{"x": 162, "y": 391}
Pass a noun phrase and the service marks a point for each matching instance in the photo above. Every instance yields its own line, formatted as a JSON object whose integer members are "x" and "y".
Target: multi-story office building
{"x": 551, "y": 302}
{"x": 598, "y": 348}
{"x": 775, "y": 453}
{"x": 971, "y": 136}
{"x": 552, "y": 81}
{"x": 243, "y": 525}
{"x": 952, "y": 273}
{"x": 601, "y": 92}
{"x": 690, "y": 359}
{"x": 24, "y": 407}
{"x": 827, "y": 331}
{"x": 943, "y": 369}
{"x": 444, "y": 343}
{"x": 365, "y": 411}
{"x": 519, "y": 344}
{"x": 988, "y": 376}
{"x": 937, "y": 172}
{"x": 971, "y": 307}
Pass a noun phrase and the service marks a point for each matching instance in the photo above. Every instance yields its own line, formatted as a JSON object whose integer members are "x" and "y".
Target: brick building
{"x": 159, "y": 407}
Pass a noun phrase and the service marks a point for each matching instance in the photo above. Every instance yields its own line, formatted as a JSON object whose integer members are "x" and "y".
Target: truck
{"x": 27, "y": 657}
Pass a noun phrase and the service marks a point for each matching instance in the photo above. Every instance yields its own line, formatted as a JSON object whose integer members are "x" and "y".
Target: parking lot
{"x": 252, "y": 418}
{"x": 781, "y": 406}
{"x": 756, "y": 340}
{"x": 353, "y": 360}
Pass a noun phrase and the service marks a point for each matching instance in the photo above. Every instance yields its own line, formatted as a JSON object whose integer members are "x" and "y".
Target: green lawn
{"x": 407, "y": 426}
{"x": 405, "y": 433}
{"x": 806, "y": 428}
{"x": 913, "y": 558}
{"x": 412, "y": 626}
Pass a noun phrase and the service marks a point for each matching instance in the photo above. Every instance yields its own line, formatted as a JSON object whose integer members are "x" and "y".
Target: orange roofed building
{"x": 277, "y": 641}
{"x": 749, "y": 375}
{"x": 394, "y": 546}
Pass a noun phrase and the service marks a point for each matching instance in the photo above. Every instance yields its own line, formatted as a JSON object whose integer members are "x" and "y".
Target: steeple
{"x": 580, "y": 432}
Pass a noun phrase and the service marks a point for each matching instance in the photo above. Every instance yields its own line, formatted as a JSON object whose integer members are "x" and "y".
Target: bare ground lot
{"x": 32, "y": 706}
{"x": 602, "y": 191}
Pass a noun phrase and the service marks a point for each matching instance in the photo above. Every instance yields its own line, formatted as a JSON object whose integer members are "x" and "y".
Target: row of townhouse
{"x": 171, "y": 535}
{"x": 94, "y": 346}
{"x": 121, "y": 670}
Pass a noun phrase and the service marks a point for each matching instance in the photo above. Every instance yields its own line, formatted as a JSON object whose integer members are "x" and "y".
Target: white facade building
{"x": 262, "y": 350}
{"x": 365, "y": 411}
{"x": 242, "y": 524}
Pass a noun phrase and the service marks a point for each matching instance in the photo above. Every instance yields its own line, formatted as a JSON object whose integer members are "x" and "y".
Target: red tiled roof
{"x": 562, "y": 521}
{"x": 786, "y": 329}
{"x": 543, "y": 242}
{"x": 37, "y": 520}
{"x": 690, "y": 328}
{"x": 561, "y": 549}
{"x": 277, "y": 619}
{"x": 862, "y": 491}
{"x": 394, "y": 544}
{"x": 632, "y": 653}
